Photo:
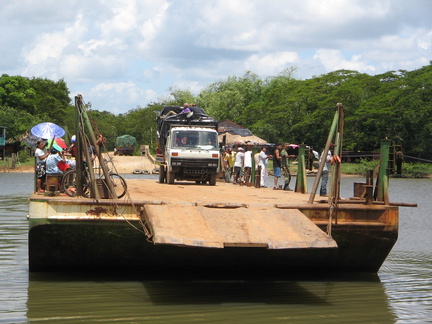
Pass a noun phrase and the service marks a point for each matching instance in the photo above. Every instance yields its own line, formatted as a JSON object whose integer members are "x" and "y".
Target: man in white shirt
{"x": 263, "y": 163}
{"x": 238, "y": 164}
{"x": 247, "y": 165}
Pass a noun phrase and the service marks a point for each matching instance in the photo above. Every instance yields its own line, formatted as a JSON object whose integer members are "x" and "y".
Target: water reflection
{"x": 84, "y": 297}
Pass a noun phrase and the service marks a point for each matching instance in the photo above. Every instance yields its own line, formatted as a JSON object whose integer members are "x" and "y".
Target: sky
{"x": 124, "y": 54}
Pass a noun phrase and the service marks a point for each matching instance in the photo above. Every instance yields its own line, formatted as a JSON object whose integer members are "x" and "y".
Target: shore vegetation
{"x": 396, "y": 105}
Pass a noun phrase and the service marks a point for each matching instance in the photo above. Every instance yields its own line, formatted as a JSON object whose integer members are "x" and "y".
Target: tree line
{"x": 396, "y": 105}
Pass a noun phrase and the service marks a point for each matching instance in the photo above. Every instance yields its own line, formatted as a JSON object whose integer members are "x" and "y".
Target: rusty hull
{"x": 85, "y": 234}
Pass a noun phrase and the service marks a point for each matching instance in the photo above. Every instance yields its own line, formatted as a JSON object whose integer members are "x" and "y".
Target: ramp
{"x": 215, "y": 227}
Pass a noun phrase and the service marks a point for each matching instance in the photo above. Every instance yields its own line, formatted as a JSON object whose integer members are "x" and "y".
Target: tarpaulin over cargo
{"x": 126, "y": 141}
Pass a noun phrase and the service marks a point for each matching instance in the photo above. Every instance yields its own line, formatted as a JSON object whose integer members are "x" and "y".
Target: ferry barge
{"x": 185, "y": 227}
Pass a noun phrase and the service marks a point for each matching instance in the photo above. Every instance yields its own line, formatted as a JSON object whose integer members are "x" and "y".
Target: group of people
{"x": 238, "y": 165}
{"x": 281, "y": 166}
{"x": 49, "y": 161}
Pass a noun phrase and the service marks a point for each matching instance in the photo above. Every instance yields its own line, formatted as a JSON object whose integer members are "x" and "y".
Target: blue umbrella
{"x": 31, "y": 139}
{"x": 47, "y": 130}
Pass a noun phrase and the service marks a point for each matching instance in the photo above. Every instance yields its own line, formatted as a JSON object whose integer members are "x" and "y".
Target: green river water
{"x": 401, "y": 292}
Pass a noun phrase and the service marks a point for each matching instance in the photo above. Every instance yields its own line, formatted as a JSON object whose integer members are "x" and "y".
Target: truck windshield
{"x": 203, "y": 140}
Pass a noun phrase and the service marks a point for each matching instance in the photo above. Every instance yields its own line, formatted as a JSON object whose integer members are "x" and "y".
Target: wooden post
{"x": 301, "y": 183}
{"x": 384, "y": 173}
{"x": 326, "y": 149}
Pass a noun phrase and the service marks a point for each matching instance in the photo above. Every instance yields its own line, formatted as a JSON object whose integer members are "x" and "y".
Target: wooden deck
{"x": 222, "y": 193}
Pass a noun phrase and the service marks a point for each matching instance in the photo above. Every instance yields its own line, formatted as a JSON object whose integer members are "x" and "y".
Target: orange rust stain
{"x": 97, "y": 211}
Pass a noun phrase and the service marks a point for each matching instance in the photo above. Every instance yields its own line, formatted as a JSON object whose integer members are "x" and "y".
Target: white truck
{"x": 188, "y": 145}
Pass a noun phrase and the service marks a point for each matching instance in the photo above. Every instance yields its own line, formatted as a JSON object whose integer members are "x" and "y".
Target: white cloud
{"x": 137, "y": 49}
{"x": 52, "y": 45}
{"x": 271, "y": 64}
{"x": 424, "y": 42}
{"x": 118, "y": 97}
{"x": 334, "y": 60}
{"x": 122, "y": 20}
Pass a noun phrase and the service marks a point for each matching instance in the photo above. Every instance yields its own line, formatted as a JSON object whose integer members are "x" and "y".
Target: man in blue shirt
{"x": 52, "y": 163}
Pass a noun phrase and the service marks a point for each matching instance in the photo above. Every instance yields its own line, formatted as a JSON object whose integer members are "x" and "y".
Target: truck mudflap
{"x": 233, "y": 226}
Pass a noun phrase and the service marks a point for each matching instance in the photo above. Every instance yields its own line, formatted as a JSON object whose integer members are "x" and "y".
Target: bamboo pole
{"x": 78, "y": 157}
{"x": 98, "y": 153}
{"x": 383, "y": 182}
{"x": 326, "y": 149}
{"x": 94, "y": 193}
{"x": 301, "y": 182}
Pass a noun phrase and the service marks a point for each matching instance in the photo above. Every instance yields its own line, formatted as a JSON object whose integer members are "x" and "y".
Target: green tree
{"x": 16, "y": 92}
{"x": 44, "y": 97}
{"x": 228, "y": 99}
{"x": 141, "y": 123}
{"x": 107, "y": 124}
{"x": 51, "y": 98}
{"x": 18, "y": 122}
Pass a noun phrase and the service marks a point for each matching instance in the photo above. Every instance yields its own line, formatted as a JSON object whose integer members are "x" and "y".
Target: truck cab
{"x": 189, "y": 147}
{"x": 191, "y": 153}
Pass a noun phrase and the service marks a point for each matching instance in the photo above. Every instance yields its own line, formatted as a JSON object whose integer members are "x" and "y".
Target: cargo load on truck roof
{"x": 126, "y": 141}
{"x": 174, "y": 116}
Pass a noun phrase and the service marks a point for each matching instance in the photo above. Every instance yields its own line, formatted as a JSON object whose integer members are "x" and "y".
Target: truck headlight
{"x": 212, "y": 164}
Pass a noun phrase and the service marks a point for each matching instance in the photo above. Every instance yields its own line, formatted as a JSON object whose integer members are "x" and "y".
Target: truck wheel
{"x": 161, "y": 174}
{"x": 170, "y": 177}
{"x": 212, "y": 181}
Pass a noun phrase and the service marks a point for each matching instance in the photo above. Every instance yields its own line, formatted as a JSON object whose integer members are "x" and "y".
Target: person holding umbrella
{"x": 41, "y": 154}
{"x": 49, "y": 131}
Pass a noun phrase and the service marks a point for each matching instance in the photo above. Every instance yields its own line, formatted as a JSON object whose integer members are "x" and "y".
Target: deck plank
{"x": 219, "y": 227}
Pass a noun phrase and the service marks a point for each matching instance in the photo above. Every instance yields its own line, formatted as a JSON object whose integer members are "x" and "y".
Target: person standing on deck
{"x": 325, "y": 172}
{"x": 286, "y": 166}
{"x": 263, "y": 163}
{"x": 277, "y": 159}
{"x": 228, "y": 163}
{"x": 41, "y": 154}
{"x": 238, "y": 165}
{"x": 247, "y": 164}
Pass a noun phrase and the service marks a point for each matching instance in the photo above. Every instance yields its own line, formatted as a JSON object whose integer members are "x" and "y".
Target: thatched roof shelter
{"x": 231, "y": 139}
{"x": 232, "y": 134}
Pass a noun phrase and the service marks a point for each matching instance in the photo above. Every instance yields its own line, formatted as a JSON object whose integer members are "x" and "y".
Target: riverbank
{"x": 129, "y": 164}
{"x": 18, "y": 169}
{"x": 122, "y": 164}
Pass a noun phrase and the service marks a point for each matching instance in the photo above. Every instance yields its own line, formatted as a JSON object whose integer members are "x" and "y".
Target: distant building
{"x": 2, "y": 142}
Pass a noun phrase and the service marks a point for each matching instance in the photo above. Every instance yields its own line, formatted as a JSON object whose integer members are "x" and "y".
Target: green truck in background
{"x": 125, "y": 145}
